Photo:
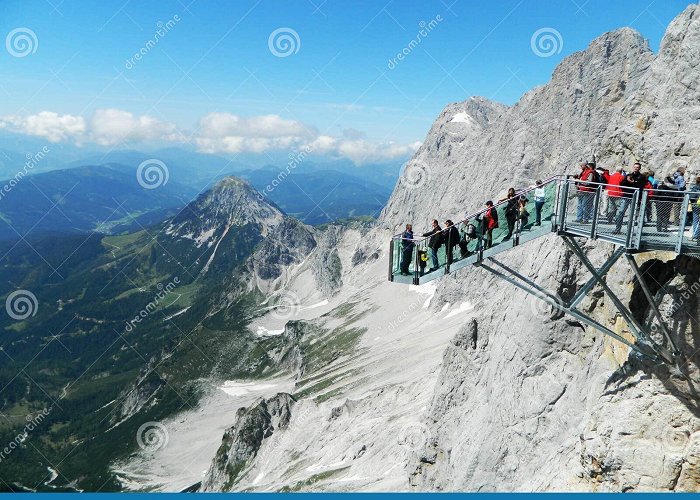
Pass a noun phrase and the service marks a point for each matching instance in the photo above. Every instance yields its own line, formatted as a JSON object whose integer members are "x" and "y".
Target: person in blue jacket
{"x": 407, "y": 246}
{"x": 694, "y": 200}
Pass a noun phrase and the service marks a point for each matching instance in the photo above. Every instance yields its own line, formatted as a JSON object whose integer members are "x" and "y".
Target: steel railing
{"x": 648, "y": 219}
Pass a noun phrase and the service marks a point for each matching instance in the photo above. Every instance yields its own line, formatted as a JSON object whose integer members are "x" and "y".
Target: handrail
{"x": 605, "y": 185}
{"x": 482, "y": 211}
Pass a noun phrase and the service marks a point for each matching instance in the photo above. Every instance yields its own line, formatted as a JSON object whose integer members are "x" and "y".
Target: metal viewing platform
{"x": 633, "y": 220}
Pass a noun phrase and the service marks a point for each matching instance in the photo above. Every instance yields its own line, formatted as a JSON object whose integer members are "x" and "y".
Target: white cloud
{"x": 227, "y": 124}
{"x": 47, "y": 124}
{"x": 216, "y": 133}
{"x": 229, "y": 133}
{"x": 361, "y": 150}
{"x": 108, "y": 127}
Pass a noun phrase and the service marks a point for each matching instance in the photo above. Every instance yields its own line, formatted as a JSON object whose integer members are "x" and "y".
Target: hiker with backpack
{"x": 665, "y": 196}
{"x": 489, "y": 222}
{"x": 523, "y": 214}
{"x": 451, "y": 236}
{"x": 469, "y": 235}
{"x": 407, "y": 245}
{"x": 679, "y": 181}
{"x": 434, "y": 244}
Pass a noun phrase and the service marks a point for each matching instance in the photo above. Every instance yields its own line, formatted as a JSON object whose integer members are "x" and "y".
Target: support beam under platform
{"x": 643, "y": 344}
{"x": 540, "y": 293}
{"x": 640, "y": 334}
{"x": 652, "y": 304}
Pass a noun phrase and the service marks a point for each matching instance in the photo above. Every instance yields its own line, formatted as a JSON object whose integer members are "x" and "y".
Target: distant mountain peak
{"x": 231, "y": 202}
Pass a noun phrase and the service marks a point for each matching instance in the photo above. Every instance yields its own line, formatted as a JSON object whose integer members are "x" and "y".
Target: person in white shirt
{"x": 539, "y": 202}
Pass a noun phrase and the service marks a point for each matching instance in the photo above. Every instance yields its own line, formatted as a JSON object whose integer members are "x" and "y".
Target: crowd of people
{"x": 516, "y": 215}
{"x": 663, "y": 202}
{"x": 664, "y": 196}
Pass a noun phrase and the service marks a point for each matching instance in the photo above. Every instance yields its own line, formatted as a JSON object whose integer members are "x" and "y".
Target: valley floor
{"x": 357, "y": 431}
{"x": 193, "y": 438}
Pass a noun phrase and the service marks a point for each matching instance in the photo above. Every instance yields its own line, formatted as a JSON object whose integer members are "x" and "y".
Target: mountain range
{"x": 232, "y": 347}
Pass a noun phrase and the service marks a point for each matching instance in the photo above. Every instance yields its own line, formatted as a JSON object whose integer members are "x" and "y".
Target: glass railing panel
{"x": 616, "y": 207}
{"x": 691, "y": 243}
{"x": 528, "y": 226}
{"x": 580, "y": 204}
{"x": 403, "y": 258}
{"x": 472, "y": 236}
{"x": 662, "y": 225}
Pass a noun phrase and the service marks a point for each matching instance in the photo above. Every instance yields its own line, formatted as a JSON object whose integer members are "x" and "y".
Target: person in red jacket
{"x": 614, "y": 193}
{"x": 586, "y": 193}
{"x": 489, "y": 223}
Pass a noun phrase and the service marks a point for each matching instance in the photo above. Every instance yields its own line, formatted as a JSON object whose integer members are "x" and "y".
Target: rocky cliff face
{"x": 551, "y": 406}
{"x": 469, "y": 384}
{"x": 242, "y": 441}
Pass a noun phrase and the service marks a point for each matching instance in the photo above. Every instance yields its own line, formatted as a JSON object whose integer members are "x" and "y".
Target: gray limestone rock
{"x": 242, "y": 441}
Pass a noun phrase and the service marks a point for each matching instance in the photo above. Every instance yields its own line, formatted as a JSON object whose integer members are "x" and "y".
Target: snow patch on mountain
{"x": 462, "y": 117}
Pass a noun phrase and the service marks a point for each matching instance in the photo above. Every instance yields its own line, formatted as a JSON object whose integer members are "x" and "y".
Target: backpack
{"x": 470, "y": 231}
{"x": 453, "y": 236}
{"x": 422, "y": 258}
{"x": 596, "y": 177}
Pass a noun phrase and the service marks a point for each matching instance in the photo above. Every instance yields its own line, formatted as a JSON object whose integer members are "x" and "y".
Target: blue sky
{"x": 338, "y": 84}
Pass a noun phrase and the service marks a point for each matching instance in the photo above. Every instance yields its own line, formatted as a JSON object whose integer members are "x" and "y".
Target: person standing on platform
{"x": 489, "y": 223}
{"x": 434, "y": 244}
{"x": 636, "y": 181}
{"x": 407, "y": 246}
{"x": 540, "y": 197}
